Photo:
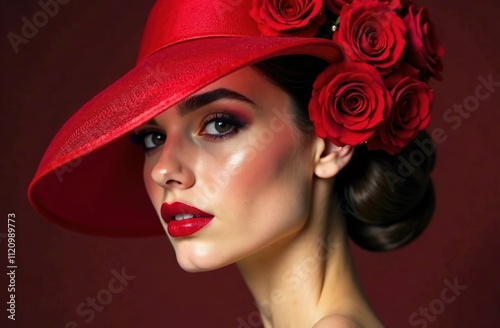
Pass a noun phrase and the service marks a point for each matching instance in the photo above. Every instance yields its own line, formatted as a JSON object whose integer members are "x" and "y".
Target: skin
{"x": 268, "y": 186}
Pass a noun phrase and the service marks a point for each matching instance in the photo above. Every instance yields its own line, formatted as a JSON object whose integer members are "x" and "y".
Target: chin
{"x": 193, "y": 258}
{"x": 192, "y": 265}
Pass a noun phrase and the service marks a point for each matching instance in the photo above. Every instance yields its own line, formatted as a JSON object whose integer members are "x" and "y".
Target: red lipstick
{"x": 184, "y": 220}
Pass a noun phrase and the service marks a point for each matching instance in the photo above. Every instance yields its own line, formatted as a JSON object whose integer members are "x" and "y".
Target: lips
{"x": 184, "y": 220}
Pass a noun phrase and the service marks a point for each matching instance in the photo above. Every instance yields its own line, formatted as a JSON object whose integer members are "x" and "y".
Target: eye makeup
{"x": 213, "y": 126}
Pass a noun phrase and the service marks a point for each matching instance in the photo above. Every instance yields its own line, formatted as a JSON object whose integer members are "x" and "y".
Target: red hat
{"x": 90, "y": 178}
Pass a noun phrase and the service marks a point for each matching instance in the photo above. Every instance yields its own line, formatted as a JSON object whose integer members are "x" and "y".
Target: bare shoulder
{"x": 337, "y": 321}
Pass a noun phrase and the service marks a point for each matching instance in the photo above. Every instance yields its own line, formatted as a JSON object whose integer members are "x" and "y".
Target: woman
{"x": 270, "y": 132}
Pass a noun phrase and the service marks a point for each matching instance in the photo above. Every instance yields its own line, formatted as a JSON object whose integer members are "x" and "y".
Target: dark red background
{"x": 89, "y": 44}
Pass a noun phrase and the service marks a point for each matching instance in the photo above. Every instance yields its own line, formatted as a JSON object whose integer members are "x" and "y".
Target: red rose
{"x": 411, "y": 112}
{"x": 393, "y": 4}
{"x": 371, "y": 32}
{"x": 335, "y": 6}
{"x": 403, "y": 71}
{"x": 349, "y": 103}
{"x": 288, "y": 17}
{"x": 424, "y": 48}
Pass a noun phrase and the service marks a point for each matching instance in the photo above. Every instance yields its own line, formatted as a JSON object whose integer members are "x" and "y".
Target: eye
{"x": 221, "y": 125}
{"x": 218, "y": 127}
{"x": 148, "y": 139}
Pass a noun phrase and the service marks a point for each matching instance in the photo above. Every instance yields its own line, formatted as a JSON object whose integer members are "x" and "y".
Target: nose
{"x": 172, "y": 169}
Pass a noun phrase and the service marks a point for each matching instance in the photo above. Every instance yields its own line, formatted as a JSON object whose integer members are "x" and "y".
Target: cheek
{"x": 266, "y": 178}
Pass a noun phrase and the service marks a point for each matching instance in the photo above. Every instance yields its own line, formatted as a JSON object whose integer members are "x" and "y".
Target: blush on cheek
{"x": 264, "y": 163}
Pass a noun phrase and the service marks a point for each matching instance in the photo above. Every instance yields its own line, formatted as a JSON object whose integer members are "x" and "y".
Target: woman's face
{"x": 232, "y": 151}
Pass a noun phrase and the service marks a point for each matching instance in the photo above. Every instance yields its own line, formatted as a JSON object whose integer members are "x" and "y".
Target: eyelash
{"x": 138, "y": 138}
{"x": 232, "y": 120}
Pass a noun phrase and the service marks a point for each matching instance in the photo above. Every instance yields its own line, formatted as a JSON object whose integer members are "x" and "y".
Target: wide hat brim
{"x": 90, "y": 178}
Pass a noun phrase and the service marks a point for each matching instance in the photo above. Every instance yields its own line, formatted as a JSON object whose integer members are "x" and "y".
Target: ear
{"x": 329, "y": 158}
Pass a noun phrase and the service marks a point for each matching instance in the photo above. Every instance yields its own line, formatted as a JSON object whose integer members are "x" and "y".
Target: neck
{"x": 308, "y": 275}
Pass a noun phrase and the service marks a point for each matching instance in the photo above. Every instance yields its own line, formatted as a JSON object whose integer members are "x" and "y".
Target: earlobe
{"x": 330, "y": 159}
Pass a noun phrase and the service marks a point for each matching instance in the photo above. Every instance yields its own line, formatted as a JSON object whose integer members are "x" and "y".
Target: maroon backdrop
{"x": 86, "y": 45}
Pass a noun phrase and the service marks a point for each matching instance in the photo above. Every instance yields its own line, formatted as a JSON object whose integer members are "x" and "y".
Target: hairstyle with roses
{"x": 383, "y": 209}
{"x": 379, "y": 96}
{"x": 378, "y": 100}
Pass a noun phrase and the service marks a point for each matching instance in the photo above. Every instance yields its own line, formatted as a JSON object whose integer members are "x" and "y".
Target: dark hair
{"x": 387, "y": 200}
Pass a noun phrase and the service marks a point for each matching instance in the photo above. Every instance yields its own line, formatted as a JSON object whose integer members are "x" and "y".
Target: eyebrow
{"x": 195, "y": 102}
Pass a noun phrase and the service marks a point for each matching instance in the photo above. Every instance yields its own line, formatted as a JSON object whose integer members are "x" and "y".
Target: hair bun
{"x": 388, "y": 200}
